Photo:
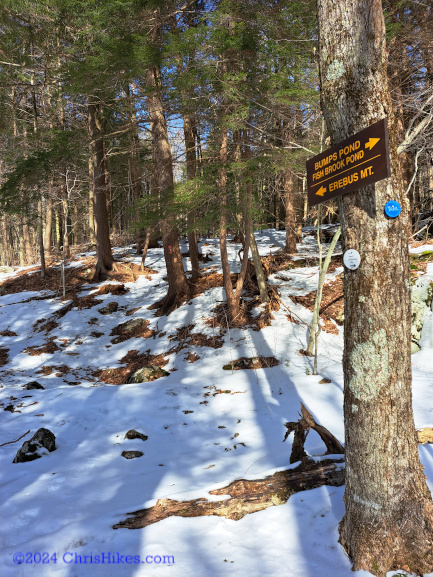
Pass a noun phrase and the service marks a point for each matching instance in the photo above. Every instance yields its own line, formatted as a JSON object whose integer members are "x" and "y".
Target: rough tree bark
{"x": 191, "y": 169}
{"x": 388, "y": 521}
{"x": 289, "y": 199}
{"x": 48, "y": 221}
{"x": 178, "y": 288}
{"x": 233, "y": 299}
{"x": 105, "y": 261}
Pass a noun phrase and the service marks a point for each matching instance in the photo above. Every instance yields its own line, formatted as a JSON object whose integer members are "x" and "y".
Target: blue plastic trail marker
{"x": 392, "y": 208}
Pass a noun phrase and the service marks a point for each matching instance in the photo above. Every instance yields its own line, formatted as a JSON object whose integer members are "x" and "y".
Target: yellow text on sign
{"x": 346, "y": 180}
{"x": 339, "y": 165}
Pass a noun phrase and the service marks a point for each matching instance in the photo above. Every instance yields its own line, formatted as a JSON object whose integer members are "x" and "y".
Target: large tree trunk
{"x": 289, "y": 208}
{"x": 91, "y": 221}
{"x": 7, "y": 260}
{"x": 66, "y": 218}
{"x": 48, "y": 221}
{"x": 388, "y": 521}
{"x": 191, "y": 169}
{"x": 178, "y": 288}
{"x": 233, "y": 299}
{"x": 289, "y": 197}
{"x": 105, "y": 261}
{"x": 28, "y": 252}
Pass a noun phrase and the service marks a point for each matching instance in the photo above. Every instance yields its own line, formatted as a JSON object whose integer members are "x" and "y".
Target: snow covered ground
{"x": 64, "y": 505}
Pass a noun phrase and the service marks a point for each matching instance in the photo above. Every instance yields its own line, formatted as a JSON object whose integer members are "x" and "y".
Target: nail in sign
{"x": 352, "y": 259}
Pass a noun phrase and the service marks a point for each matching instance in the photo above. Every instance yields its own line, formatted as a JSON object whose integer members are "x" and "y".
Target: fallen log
{"x": 245, "y": 497}
{"x": 425, "y": 435}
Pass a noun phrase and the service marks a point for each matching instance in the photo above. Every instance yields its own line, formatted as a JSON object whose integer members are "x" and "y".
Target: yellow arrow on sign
{"x": 371, "y": 142}
{"x": 321, "y": 191}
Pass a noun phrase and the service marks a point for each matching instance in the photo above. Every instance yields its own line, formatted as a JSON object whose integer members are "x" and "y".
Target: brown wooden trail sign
{"x": 353, "y": 163}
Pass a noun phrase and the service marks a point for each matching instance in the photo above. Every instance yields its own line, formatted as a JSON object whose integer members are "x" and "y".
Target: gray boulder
{"x": 147, "y": 374}
{"x": 110, "y": 308}
{"x": 421, "y": 299}
{"x": 33, "y": 385}
{"x": 133, "y": 434}
{"x": 132, "y": 325}
{"x": 41, "y": 442}
{"x": 132, "y": 454}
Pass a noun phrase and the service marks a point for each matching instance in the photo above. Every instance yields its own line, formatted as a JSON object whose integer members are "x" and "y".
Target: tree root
{"x": 245, "y": 496}
{"x": 103, "y": 271}
{"x": 170, "y": 302}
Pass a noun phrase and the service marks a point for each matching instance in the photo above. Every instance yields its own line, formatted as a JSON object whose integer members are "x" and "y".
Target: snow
{"x": 67, "y": 501}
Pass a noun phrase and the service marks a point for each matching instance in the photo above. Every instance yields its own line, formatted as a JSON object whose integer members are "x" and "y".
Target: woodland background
{"x": 93, "y": 95}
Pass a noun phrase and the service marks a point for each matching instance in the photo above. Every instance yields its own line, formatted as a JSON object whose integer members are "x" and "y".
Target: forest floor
{"x": 217, "y": 417}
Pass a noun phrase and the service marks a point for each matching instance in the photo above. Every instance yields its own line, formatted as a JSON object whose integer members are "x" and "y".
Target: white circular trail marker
{"x": 352, "y": 259}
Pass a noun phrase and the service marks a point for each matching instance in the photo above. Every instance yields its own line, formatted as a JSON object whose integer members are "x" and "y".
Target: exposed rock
{"x": 426, "y": 340}
{"x": 133, "y": 434}
{"x": 110, "y": 308}
{"x": 132, "y": 324}
{"x": 414, "y": 348}
{"x": 251, "y": 363}
{"x": 421, "y": 298}
{"x": 131, "y": 329}
{"x": 132, "y": 454}
{"x": 33, "y": 385}
{"x": 147, "y": 374}
{"x": 41, "y": 442}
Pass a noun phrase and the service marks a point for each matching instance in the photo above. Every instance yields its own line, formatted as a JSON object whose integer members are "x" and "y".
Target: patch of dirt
{"x": 49, "y": 348}
{"x": 49, "y": 324}
{"x": 185, "y": 337}
{"x": 28, "y": 280}
{"x": 122, "y": 332}
{"x": 213, "y": 391}
{"x": 8, "y": 333}
{"x": 114, "y": 289}
{"x": 75, "y": 278}
{"x": 45, "y": 370}
{"x": 208, "y": 281}
{"x": 4, "y": 356}
{"x": 251, "y": 363}
{"x": 61, "y": 370}
{"x": 279, "y": 261}
{"x": 134, "y": 361}
{"x": 245, "y": 318}
{"x": 332, "y": 305}
{"x": 96, "y": 334}
{"x": 245, "y": 496}
{"x": 192, "y": 357}
{"x": 129, "y": 272}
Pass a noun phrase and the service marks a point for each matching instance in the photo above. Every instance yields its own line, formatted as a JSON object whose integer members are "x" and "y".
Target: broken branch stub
{"x": 301, "y": 428}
